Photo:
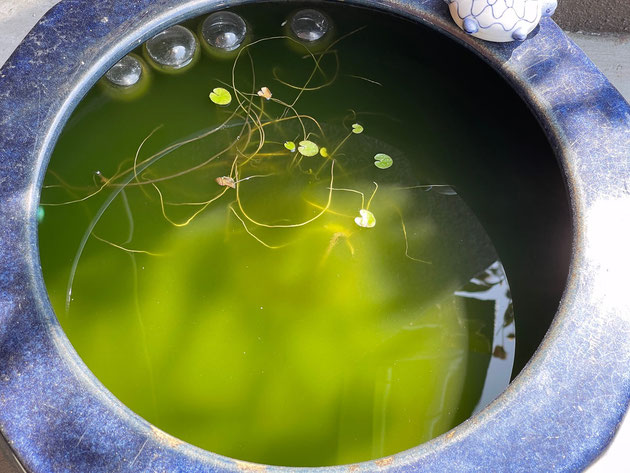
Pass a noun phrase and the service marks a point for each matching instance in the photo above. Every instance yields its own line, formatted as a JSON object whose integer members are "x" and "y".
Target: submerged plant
{"x": 255, "y": 131}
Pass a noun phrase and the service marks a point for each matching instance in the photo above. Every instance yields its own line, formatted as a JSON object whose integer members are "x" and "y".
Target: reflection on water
{"x": 492, "y": 285}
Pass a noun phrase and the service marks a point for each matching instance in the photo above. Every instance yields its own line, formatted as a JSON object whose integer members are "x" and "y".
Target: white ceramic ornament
{"x": 500, "y": 21}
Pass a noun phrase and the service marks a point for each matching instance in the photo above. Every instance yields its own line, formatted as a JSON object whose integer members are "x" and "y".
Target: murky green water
{"x": 262, "y": 321}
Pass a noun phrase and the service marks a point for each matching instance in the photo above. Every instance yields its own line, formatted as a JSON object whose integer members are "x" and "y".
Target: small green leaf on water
{"x": 383, "y": 161}
{"x": 366, "y": 220}
{"x": 308, "y": 148}
{"x": 323, "y": 152}
{"x": 356, "y": 128}
{"x": 290, "y": 145}
{"x": 220, "y": 96}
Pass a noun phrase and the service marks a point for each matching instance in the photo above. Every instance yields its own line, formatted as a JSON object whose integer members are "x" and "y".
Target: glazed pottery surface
{"x": 557, "y": 415}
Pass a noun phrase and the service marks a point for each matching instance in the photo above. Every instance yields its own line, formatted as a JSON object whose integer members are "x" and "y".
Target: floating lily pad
{"x": 308, "y": 148}
{"x": 366, "y": 220}
{"x": 290, "y": 145}
{"x": 221, "y": 96}
{"x": 357, "y": 129}
{"x": 323, "y": 152}
{"x": 383, "y": 161}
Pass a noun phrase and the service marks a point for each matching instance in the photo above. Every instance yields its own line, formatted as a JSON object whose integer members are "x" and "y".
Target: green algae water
{"x": 290, "y": 279}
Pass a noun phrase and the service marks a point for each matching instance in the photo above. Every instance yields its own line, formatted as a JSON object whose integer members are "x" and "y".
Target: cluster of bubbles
{"x": 221, "y": 34}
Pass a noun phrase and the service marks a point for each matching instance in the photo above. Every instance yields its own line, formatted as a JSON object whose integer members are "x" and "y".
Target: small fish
{"x": 226, "y": 181}
{"x": 264, "y": 92}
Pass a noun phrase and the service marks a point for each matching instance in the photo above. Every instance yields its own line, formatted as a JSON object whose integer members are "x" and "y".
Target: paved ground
{"x": 594, "y": 16}
{"x": 610, "y": 51}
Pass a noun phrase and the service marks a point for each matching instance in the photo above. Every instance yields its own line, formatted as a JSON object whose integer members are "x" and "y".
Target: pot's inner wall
{"x": 228, "y": 288}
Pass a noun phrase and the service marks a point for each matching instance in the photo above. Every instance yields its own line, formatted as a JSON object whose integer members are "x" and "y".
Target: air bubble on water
{"x": 309, "y": 25}
{"x": 224, "y": 30}
{"x": 173, "y": 48}
{"x": 125, "y": 73}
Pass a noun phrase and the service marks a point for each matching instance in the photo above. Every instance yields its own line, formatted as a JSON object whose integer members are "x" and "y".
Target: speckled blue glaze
{"x": 559, "y": 413}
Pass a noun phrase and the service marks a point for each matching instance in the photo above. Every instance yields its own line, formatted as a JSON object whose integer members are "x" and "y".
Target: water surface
{"x": 261, "y": 321}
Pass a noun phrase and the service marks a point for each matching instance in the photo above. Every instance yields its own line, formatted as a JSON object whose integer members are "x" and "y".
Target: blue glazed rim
{"x": 557, "y": 415}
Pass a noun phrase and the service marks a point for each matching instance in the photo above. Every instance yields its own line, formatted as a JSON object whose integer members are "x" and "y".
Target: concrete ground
{"x": 600, "y": 27}
{"x": 596, "y": 16}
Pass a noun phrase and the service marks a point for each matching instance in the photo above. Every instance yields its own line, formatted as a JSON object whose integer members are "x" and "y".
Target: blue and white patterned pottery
{"x": 500, "y": 21}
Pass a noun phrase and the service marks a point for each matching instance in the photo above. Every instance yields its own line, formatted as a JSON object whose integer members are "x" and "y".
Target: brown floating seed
{"x": 226, "y": 181}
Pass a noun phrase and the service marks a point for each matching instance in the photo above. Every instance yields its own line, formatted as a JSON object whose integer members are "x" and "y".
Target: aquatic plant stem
{"x": 120, "y": 247}
{"x": 86, "y": 235}
{"x": 311, "y": 89}
{"x": 332, "y": 155}
{"x": 332, "y": 212}
{"x": 404, "y": 229}
{"x": 231, "y": 207}
{"x": 260, "y": 224}
{"x": 372, "y": 196}
{"x": 143, "y": 335}
{"x": 193, "y": 216}
{"x": 308, "y": 81}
